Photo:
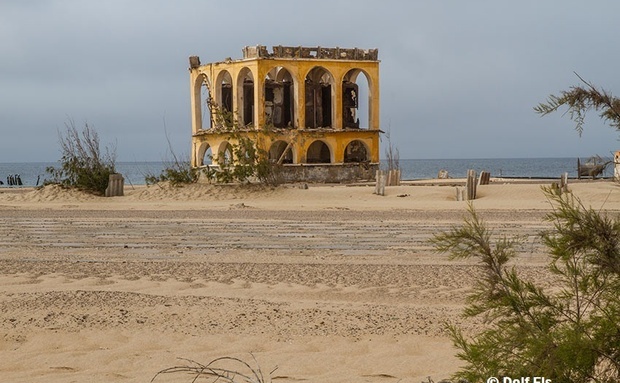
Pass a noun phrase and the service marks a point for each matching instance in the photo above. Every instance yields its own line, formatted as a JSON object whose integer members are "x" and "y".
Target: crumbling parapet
{"x": 279, "y": 51}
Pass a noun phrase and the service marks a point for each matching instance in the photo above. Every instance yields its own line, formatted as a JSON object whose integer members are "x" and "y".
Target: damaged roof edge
{"x": 337, "y": 53}
{"x": 279, "y": 51}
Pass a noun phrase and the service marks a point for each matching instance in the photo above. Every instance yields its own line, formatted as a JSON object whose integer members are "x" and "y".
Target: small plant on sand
{"x": 224, "y": 369}
{"x": 570, "y": 333}
{"x": 176, "y": 171}
{"x": 83, "y": 165}
{"x": 392, "y": 155}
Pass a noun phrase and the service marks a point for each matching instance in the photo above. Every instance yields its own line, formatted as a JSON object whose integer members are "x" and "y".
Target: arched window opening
{"x": 246, "y": 94}
{"x": 207, "y": 158}
{"x": 226, "y": 93}
{"x": 280, "y": 152}
{"x": 355, "y": 100}
{"x": 279, "y": 98}
{"x": 356, "y": 152}
{"x": 319, "y": 98}
{"x": 204, "y": 102}
{"x": 350, "y": 103}
{"x": 223, "y": 115}
{"x": 225, "y": 155}
{"x": 318, "y": 153}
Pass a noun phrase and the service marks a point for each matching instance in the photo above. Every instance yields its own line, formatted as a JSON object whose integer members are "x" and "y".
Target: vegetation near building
{"x": 312, "y": 112}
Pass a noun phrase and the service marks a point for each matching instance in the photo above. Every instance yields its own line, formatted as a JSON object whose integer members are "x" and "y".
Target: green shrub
{"x": 82, "y": 164}
{"x": 250, "y": 162}
{"x": 568, "y": 334}
{"x": 177, "y": 173}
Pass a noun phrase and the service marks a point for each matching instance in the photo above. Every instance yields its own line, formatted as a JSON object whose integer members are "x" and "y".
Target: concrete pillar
{"x": 471, "y": 184}
{"x": 116, "y": 185}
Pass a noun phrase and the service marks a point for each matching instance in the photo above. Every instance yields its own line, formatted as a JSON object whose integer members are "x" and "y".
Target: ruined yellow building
{"x": 314, "y": 110}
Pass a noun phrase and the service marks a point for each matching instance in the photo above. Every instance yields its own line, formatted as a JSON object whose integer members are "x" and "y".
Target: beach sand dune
{"x": 328, "y": 284}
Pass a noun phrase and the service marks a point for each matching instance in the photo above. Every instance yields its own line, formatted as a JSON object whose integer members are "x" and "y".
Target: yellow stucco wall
{"x": 209, "y": 78}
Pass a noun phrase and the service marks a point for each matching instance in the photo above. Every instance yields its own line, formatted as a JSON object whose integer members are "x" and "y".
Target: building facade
{"x": 313, "y": 110}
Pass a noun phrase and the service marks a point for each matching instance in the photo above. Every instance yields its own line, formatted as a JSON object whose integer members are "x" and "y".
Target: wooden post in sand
{"x": 471, "y": 184}
{"x": 460, "y": 194}
{"x": 380, "y": 179}
{"x": 564, "y": 183}
{"x": 617, "y": 166}
{"x": 116, "y": 184}
{"x": 485, "y": 178}
{"x": 393, "y": 177}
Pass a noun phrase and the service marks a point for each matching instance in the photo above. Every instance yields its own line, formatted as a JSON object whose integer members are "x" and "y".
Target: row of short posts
{"x": 471, "y": 185}
{"x": 386, "y": 178}
{"x": 562, "y": 187}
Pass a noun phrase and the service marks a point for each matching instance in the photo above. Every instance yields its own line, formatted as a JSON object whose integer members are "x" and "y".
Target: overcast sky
{"x": 459, "y": 78}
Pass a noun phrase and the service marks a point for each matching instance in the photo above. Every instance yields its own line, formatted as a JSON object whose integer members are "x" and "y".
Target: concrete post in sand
{"x": 471, "y": 184}
{"x": 564, "y": 183}
{"x": 380, "y": 180}
{"x": 617, "y": 166}
{"x": 485, "y": 178}
{"x": 116, "y": 184}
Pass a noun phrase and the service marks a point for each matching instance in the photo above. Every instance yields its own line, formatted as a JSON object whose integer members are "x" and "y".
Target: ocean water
{"x": 498, "y": 167}
{"x": 34, "y": 173}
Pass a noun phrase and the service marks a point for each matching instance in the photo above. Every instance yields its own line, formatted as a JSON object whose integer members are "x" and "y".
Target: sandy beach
{"x": 324, "y": 284}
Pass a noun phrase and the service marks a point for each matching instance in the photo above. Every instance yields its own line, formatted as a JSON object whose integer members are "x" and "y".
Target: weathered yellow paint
{"x": 262, "y": 70}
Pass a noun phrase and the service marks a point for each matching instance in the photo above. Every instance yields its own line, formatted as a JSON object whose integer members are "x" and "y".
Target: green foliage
{"x": 568, "y": 334}
{"x": 249, "y": 162}
{"x": 581, "y": 99}
{"x": 248, "y": 159}
{"x": 221, "y": 118}
{"x": 82, "y": 164}
{"x": 246, "y": 155}
{"x": 177, "y": 173}
{"x": 269, "y": 173}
